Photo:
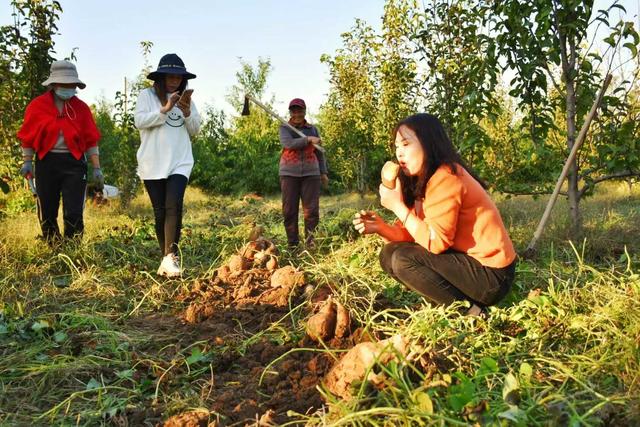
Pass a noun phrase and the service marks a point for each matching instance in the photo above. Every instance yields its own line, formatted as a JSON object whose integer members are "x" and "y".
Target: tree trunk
{"x": 572, "y": 189}
{"x": 569, "y": 58}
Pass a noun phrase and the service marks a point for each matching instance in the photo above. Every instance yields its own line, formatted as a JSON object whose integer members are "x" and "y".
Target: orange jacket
{"x": 458, "y": 213}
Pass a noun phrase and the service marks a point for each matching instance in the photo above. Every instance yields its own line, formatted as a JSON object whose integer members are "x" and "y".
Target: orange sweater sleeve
{"x": 406, "y": 236}
{"x": 442, "y": 203}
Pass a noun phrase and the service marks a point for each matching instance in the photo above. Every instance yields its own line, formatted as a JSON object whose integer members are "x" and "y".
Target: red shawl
{"x": 43, "y": 123}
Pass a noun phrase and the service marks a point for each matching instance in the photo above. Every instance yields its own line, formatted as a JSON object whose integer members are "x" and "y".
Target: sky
{"x": 210, "y": 36}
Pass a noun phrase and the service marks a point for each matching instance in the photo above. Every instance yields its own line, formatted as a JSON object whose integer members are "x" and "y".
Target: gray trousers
{"x": 296, "y": 189}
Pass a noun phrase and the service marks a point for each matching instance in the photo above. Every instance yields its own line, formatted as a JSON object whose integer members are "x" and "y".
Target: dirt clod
{"x": 287, "y": 277}
{"x": 261, "y": 259}
{"x": 320, "y": 293}
{"x": 224, "y": 272}
{"x": 358, "y": 360}
{"x": 272, "y": 263}
{"x": 249, "y": 250}
{"x": 238, "y": 263}
{"x": 192, "y": 314}
{"x": 256, "y": 232}
{"x": 188, "y": 419}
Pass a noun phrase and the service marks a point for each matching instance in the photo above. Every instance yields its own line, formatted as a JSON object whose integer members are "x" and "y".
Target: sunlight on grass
{"x": 561, "y": 349}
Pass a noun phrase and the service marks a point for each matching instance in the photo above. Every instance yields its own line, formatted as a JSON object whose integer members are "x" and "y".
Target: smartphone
{"x": 185, "y": 98}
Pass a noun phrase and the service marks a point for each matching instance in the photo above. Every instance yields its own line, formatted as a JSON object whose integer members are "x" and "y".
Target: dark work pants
{"x": 167, "y": 198}
{"x": 61, "y": 174}
{"x": 446, "y": 277}
{"x": 294, "y": 189}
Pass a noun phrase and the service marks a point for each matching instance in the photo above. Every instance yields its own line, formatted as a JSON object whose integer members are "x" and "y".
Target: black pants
{"x": 446, "y": 277}
{"x": 294, "y": 189}
{"x": 61, "y": 174}
{"x": 167, "y": 198}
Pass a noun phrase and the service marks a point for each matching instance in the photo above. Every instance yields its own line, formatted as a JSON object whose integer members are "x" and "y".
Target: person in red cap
{"x": 303, "y": 171}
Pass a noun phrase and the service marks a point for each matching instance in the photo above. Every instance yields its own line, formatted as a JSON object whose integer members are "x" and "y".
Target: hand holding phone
{"x": 172, "y": 99}
{"x": 185, "y": 98}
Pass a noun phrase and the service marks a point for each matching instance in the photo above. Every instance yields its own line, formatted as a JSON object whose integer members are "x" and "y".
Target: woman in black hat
{"x": 167, "y": 119}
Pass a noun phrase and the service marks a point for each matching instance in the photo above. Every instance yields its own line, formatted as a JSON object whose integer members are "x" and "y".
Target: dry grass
{"x": 69, "y": 346}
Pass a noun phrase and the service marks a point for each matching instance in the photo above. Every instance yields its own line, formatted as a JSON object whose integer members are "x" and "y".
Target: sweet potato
{"x": 321, "y": 326}
{"x": 343, "y": 321}
{"x": 389, "y": 174}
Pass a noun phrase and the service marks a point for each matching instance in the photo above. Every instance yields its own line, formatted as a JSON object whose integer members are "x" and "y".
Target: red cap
{"x": 297, "y": 102}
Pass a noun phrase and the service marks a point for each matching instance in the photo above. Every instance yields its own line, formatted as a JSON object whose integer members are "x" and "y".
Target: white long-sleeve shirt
{"x": 165, "y": 147}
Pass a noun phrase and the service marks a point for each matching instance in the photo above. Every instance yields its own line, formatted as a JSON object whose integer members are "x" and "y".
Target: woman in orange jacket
{"x": 449, "y": 242}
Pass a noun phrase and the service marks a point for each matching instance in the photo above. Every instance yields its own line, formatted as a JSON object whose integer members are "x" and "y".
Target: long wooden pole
{"x": 572, "y": 155}
{"x": 283, "y": 121}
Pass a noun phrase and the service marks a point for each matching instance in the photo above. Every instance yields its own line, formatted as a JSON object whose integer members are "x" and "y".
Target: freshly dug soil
{"x": 239, "y": 302}
{"x": 257, "y": 383}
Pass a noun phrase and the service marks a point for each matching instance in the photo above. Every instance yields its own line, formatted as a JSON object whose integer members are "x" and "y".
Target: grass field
{"x": 90, "y": 336}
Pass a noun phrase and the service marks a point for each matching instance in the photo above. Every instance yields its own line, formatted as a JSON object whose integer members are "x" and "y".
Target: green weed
{"x": 89, "y": 335}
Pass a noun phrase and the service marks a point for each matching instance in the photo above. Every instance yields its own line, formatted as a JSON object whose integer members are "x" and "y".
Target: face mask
{"x": 65, "y": 93}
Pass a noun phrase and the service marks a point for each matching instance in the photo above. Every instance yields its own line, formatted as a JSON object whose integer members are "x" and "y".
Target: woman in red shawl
{"x": 60, "y": 131}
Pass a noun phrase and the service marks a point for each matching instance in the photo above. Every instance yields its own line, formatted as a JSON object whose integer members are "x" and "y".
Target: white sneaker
{"x": 170, "y": 266}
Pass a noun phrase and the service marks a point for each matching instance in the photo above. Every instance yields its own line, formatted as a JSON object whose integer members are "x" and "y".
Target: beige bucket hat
{"x": 63, "y": 72}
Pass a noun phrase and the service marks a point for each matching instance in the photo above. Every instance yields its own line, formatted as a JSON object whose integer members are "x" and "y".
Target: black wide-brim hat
{"x": 171, "y": 64}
